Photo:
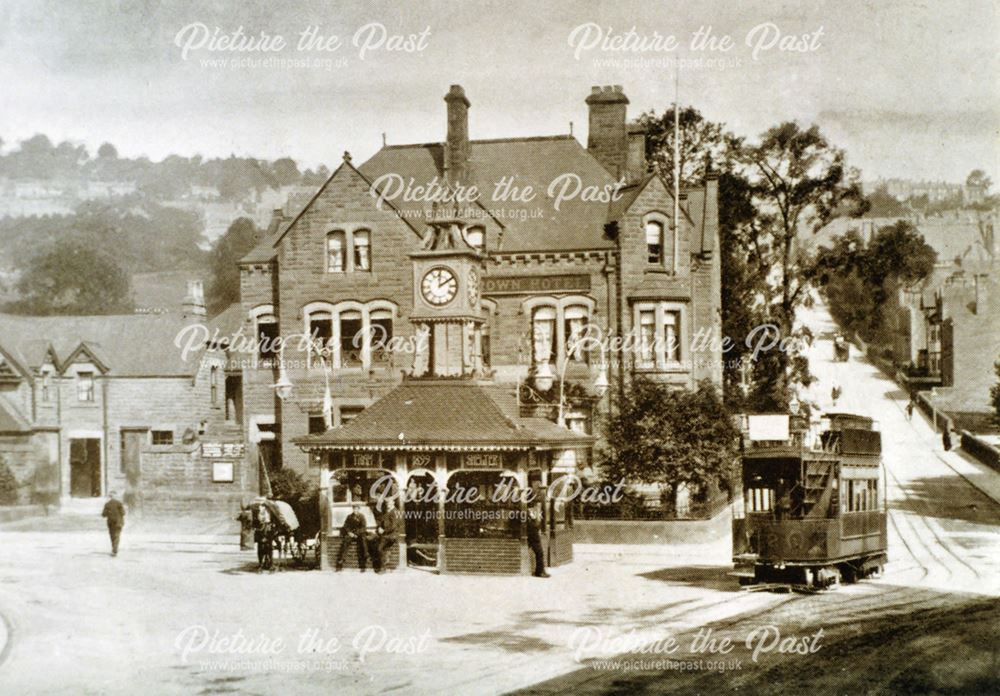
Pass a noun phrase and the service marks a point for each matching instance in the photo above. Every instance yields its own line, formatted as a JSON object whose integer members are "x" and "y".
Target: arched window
{"x": 575, "y": 319}
{"x": 380, "y": 323}
{"x": 654, "y": 241}
{"x": 335, "y": 246}
{"x": 543, "y": 327}
{"x": 351, "y": 338}
{"x": 362, "y": 250}
{"x": 266, "y": 331}
{"x": 319, "y": 327}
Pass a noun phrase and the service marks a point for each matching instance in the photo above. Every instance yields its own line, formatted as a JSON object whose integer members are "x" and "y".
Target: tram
{"x": 814, "y": 509}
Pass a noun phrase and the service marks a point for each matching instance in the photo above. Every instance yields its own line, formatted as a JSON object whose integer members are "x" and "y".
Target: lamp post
{"x": 545, "y": 377}
{"x": 283, "y": 387}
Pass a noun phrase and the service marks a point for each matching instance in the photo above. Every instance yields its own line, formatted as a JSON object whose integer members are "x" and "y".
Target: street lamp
{"x": 283, "y": 387}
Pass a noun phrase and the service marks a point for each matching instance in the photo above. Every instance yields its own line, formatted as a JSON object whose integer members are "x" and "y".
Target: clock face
{"x": 473, "y": 288}
{"x": 439, "y": 286}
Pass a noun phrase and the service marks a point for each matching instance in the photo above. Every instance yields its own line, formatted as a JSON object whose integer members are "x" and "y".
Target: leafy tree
{"x": 859, "y": 281}
{"x": 224, "y": 286}
{"x": 73, "y": 277}
{"x": 798, "y": 180}
{"x": 107, "y": 151}
{"x": 882, "y": 204}
{"x": 8, "y": 485}
{"x": 289, "y": 486}
{"x": 285, "y": 171}
{"x": 707, "y": 147}
{"x": 665, "y": 435}
{"x": 978, "y": 178}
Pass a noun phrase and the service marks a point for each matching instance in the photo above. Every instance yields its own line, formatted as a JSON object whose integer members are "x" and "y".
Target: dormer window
{"x": 84, "y": 386}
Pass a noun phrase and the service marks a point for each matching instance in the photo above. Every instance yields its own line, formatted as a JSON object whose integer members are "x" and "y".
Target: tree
{"x": 798, "y": 180}
{"x": 707, "y": 147}
{"x": 9, "y": 494}
{"x": 995, "y": 393}
{"x": 859, "y": 281}
{"x": 107, "y": 151}
{"x": 977, "y": 179}
{"x": 882, "y": 204}
{"x": 285, "y": 171}
{"x": 73, "y": 277}
{"x": 224, "y": 286}
{"x": 665, "y": 435}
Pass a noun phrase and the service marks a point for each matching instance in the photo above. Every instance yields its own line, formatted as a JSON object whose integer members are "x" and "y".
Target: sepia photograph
{"x": 477, "y": 347}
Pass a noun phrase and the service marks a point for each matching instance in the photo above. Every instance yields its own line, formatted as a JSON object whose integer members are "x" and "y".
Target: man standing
{"x": 114, "y": 512}
{"x": 535, "y": 540}
{"x": 353, "y": 530}
{"x": 385, "y": 540}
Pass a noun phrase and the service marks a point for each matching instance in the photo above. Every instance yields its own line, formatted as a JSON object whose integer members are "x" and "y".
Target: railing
{"x": 642, "y": 510}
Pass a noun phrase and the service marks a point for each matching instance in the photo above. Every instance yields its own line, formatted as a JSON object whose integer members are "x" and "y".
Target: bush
{"x": 8, "y": 485}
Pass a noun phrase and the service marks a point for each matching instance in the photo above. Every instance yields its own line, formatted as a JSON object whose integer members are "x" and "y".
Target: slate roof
{"x": 10, "y": 421}
{"x": 127, "y": 344}
{"x": 460, "y": 414}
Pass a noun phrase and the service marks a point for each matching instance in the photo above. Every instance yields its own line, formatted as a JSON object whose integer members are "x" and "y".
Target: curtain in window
{"x": 647, "y": 337}
{"x": 335, "y": 252}
{"x": 671, "y": 336}
{"x": 544, "y": 329}
{"x": 654, "y": 242}
{"x": 574, "y": 328}
{"x": 362, "y": 251}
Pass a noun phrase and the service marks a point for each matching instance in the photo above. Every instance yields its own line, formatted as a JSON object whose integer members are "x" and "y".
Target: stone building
{"x": 90, "y": 404}
{"x": 575, "y": 241}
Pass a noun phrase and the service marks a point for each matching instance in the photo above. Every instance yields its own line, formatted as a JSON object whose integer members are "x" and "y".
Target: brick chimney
{"x": 607, "y": 138}
{"x": 457, "y": 154}
{"x": 636, "y": 159}
{"x": 194, "y": 302}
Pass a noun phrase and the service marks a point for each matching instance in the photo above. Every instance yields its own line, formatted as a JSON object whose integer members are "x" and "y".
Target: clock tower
{"x": 447, "y": 281}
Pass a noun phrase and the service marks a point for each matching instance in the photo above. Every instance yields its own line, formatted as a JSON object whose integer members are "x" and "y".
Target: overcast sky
{"x": 910, "y": 89}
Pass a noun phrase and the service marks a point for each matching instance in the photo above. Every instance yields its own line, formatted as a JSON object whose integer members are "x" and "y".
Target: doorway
{"x": 85, "y": 467}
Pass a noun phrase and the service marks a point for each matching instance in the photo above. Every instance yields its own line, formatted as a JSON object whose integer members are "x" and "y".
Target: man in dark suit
{"x": 353, "y": 530}
{"x": 114, "y": 512}
{"x": 535, "y": 540}
{"x": 385, "y": 539}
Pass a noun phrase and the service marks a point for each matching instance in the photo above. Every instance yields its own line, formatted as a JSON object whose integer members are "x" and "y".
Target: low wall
{"x": 653, "y": 532}
{"x": 982, "y": 451}
{"x": 14, "y": 513}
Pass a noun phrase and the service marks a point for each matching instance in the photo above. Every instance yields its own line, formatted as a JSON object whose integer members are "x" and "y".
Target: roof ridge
{"x": 484, "y": 141}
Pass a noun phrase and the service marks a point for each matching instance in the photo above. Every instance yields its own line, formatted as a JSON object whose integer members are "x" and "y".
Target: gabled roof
{"x": 11, "y": 421}
{"x": 125, "y": 344}
{"x": 449, "y": 414}
{"x": 529, "y": 226}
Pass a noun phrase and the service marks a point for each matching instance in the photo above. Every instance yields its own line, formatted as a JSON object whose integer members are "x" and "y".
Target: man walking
{"x": 535, "y": 541}
{"x": 114, "y": 512}
{"x": 385, "y": 539}
{"x": 353, "y": 530}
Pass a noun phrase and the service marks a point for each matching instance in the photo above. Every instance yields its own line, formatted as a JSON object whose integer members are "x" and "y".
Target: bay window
{"x": 660, "y": 334}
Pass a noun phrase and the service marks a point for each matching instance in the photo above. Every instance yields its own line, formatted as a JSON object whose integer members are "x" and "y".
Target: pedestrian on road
{"x": 114, "y": 512}
{"x": 535, "y": 540}
{"x": 946, "y": 439}
{"x": 385, "y": 537}
{"x": 245, "y": 518}
{"x": 909, "y": 409}
{"x": 835, "y": 393}
{"x": 353, "y": 530}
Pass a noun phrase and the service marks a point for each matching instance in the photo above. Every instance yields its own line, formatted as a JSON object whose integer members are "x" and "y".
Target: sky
{"x": 908, "y": 89}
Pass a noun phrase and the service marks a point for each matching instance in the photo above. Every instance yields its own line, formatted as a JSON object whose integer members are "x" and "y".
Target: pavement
{"x": 183, "y": 613}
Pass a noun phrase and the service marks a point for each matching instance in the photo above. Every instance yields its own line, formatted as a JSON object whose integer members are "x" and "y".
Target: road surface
{"x": 177, "y": 616}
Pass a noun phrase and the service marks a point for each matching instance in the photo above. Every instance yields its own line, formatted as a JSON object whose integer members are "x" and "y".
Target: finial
{"x": 383, "y": 138}
{"x": 571, "y": 128}
{"x": 347, "y": 156}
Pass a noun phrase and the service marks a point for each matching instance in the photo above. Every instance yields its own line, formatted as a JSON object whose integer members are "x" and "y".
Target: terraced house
{"x": 90, "y": 404}
{"x": 595, "y": 247}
